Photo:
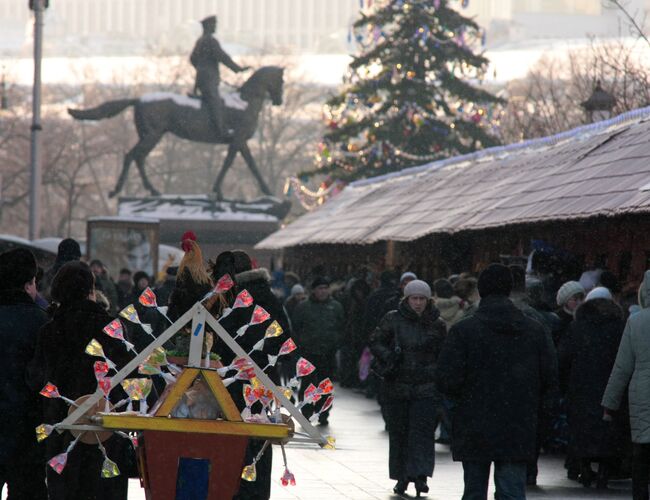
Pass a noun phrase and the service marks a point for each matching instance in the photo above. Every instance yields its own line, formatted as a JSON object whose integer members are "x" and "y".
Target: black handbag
{"x": 386, "y": 369}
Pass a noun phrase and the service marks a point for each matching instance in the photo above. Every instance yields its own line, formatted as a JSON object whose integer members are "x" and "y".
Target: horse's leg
{"x": 248, "y": 157}
{"x": 230, "y": 157}
{"x": 146, "y": 145}
{"x": 128, "y": 158}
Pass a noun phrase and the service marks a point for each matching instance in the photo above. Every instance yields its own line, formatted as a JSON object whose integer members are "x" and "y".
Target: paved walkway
{"x": 358, "y": 468}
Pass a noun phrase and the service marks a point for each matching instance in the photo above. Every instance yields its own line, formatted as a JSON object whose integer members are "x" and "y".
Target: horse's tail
{"x": 106, "y": 110}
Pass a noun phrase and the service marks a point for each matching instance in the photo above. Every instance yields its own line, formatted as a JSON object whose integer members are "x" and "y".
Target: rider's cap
{"x": 209, "y": 20}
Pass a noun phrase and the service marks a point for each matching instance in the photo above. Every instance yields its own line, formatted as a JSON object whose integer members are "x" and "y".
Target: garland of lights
{"x": 311, "y": 199}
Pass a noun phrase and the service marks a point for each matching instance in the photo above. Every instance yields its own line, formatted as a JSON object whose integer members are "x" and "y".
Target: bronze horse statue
{"x": 159, "y": 113}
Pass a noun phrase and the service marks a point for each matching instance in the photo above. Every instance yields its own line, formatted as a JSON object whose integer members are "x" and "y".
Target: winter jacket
{"x": 632, "y": 366}
{"x": 376, "y": 307}
{"x": 20, "y": 321}
{"x": 420, "y": 339}
{"x": 318, "y": 326}
{"x": 587, "y": 354}
{"x": 497, "y": 366}
{"x": 63, "y": 361}
{"x": 452, "y": 310}
{"x": 258, "y": 283}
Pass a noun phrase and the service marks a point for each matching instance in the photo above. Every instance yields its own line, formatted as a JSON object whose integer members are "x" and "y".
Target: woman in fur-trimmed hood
{"x": 588, "y": 355}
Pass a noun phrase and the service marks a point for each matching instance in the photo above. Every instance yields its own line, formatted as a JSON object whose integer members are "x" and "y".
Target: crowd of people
{"x": 485, "y": 364}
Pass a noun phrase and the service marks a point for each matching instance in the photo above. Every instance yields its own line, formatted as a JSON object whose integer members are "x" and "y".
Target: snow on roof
{"x": 198, "y": 207}
{"x": 599, "y": 169}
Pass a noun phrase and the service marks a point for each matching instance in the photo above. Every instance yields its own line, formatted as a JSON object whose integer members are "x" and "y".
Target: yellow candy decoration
{"x": 249, "y": 473}
{"x": 274, "y": 330}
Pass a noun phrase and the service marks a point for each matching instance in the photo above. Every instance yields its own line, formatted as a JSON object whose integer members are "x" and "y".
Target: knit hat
{"x": 408, "y": 275}
{"x": 417, "y": 287}
{"x": 496, "y": 279}
{"x": 296, "y": 289}
{"x": 568, "y": 290}
{"x": 320, "y": 281}
{"x": 68, "y": 250}
{"x": 17, "y": 267}
{"x": 600, "y": 292}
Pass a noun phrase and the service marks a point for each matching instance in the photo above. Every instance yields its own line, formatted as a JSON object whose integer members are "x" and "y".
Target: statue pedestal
{"x": 219, "y": 225}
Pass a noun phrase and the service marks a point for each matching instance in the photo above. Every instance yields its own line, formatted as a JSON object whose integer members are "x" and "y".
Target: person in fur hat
{"x": 257, "y": 281}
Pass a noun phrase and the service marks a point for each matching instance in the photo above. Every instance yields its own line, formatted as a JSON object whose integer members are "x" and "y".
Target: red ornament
{"x": 288, "y": 346}
{"x": 148, "y": 298}
{"x": 260, "y": 315}
{"x": 244, "y": 299}
{"x": 326, "y": 386}
{"x": 224, "y": 284}
{"x": 304, "y": 367}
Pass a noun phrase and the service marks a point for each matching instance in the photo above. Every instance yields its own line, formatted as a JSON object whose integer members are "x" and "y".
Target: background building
{"x": 101, "y": 27}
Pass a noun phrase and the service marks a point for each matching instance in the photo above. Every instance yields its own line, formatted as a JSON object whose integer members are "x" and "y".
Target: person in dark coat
{"x": 22, "y": 464}
{"x": 353, "y": 340}
{"x": 588, "y": 354}
{"x": 411, "y": 399}
{"x": 164, "y": 291}
{"x": 258, "y": 283}
{"x": 61, "y": 360}
{"x": 68, "y": 251}
{"x": 318, "y": 327}
{"x": 497, "y": 366}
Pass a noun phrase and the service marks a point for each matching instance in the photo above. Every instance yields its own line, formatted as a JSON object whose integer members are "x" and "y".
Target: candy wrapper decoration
{"x": 304, "y": 367}
{"x": 331, "y": 443}
{"x": 50, "y": 391}
{"x": 272, "y": 361}
{"x": 249, "y": 395}
{"x": 224, "y": 284}
{"x": 288, "y": 346}
{"x": 148, "y": 298}
{"x": 101, "y": 369}
{"x": 158, "y": 357}
{"x": 288, "y": 478}
{"x": 137, "y": 388}
{"x": 242, "y": 330}
{"x": 114, "y": 329}
{"x": 328, "y": 404}
{"x": 326, "y": 386}
{"x": 43, "y": 431}
{"x": 260, "y": 315}
{"x": 105, "y": 386}
{"x": 94, "y": 348}
{"x": 248, "y": 473}
{"x": 58, "y": 462}
{"x": 129, "y": 313}
{"x": 109, "y": 469}
{"x": 244, "y": 299}
{"x": 311, "y": 393}
{"x": 274, "y": 330}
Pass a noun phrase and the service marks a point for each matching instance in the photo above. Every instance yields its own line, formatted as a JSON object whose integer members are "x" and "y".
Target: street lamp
{"x": 38, "y": 6}
{"x": 600, "y": 104}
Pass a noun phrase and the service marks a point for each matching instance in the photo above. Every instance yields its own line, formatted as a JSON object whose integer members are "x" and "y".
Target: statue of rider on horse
{"x": 208, "y": 120}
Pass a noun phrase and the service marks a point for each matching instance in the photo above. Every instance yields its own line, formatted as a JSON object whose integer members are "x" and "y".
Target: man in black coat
{"x": 22, "y": 466}
{"x": 497, "y": 367}
{"x": 258, "y": 283}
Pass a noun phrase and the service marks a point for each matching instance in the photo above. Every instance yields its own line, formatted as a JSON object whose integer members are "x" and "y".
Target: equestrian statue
{"x": 209, "y": 119}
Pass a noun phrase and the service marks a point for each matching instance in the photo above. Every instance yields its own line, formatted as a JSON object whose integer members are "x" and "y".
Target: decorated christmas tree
{"x": 412, "y": 95}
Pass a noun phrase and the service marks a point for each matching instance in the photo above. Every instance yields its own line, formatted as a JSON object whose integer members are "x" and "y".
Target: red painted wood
{"x": 163, "y": 449}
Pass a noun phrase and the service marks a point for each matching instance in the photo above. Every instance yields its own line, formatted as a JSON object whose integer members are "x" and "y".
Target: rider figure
{"x": 206, "y": 57}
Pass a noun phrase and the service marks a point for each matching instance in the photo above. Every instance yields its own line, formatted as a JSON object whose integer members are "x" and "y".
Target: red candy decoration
{"x": 148, "y": 298}
{"x": 288, "y": 346}
{"x": 224, "y": 284}
{"x": 260, "y": 315}
{"x": 304, "y": 367}
{"x": 101, "y": 369}
{"x": 326, "y": 386}
{"x": 244, "y": 299}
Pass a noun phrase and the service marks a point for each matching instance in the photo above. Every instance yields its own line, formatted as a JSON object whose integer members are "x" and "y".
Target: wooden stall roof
{"x": 594, "y": 170}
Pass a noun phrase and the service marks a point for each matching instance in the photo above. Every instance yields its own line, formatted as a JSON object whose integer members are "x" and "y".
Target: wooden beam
{"x": 134, "y": 422}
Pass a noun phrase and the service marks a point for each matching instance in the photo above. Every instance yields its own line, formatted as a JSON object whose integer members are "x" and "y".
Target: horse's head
{"x": 268, "y": 79}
